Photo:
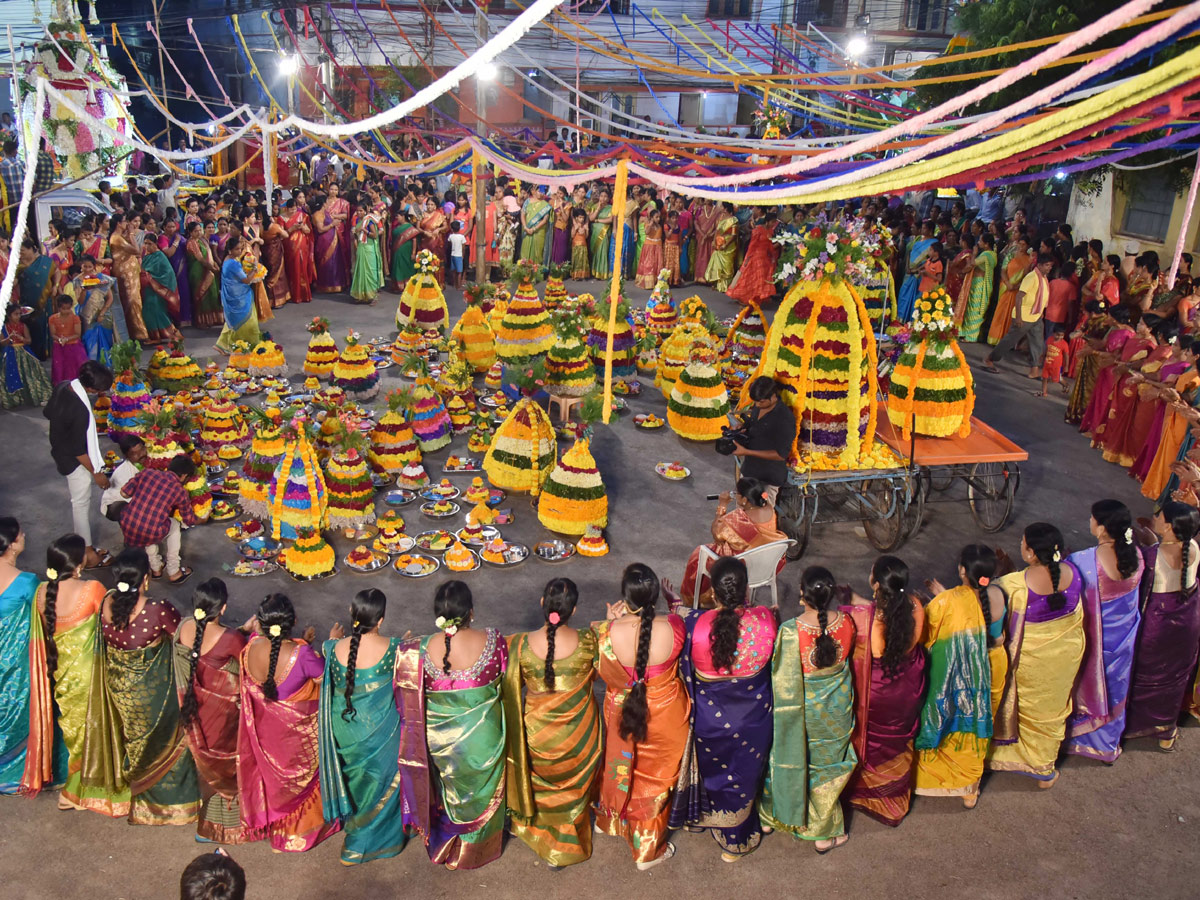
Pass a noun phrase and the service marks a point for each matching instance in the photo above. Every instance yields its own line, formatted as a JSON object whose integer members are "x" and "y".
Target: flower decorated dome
{"x": 322, "y": 351}
{"x": 310, "y": 556}
{"x": 592, "y": 543}
{"x": 459, "y": 559}
{"x": 422, "y": 303}
{"x": 266, "y": 359}
{"x": 413, "y": 476}
{"x": 354, "y": 372}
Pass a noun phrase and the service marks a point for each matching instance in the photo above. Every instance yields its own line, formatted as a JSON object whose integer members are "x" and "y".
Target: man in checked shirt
{"x": 154, "y": 495}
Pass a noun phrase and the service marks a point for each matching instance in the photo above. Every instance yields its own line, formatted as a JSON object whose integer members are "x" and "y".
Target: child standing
{"x": 23, "y": 381}
{"x": 580, "y": 228}
{"x": 931, "y": 271}
{"x": 66, "y": 331}
{"x": 671, "y": 248}
{"x": 1056, "y": 360}
{"x": 458, "y": 242}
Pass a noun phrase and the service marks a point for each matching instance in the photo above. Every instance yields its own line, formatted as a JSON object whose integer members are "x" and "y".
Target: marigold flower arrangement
{"x": 574, "y": 496}
{"x": 322, "y": 349}
{"x": 676, "y": 352}
{"x": 296, "y": 496}
{"x": 472, "y": 330}
{"x": 129, "y": 395}
{"x": 430, "y": 421}
{"x": 267, "y": 448}
{"x": 422, "y": 302}
{"x": 826, "y": 250}
{"x": 698, "y": 404}
{"x": 624, "y": 343}
{"x": 525, "y": 448}
{"x": 350, "y": 492}
{"x": 556, "y": 290}
{"x": 174, "y": 370}
{"x": 569, "y": 369}
{"x": 393, "y": 444}
{"x": 354, "y": 372}
{"x": 525, "y": 328}
{"x": 773, "y": 120}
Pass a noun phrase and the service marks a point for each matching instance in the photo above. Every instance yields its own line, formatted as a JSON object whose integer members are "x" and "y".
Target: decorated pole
{"x": 614, "y": 292}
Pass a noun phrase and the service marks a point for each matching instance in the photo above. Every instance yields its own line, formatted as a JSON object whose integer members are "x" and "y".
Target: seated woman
{"x": 452, "y": 752}
{"x": 750, "y": 524}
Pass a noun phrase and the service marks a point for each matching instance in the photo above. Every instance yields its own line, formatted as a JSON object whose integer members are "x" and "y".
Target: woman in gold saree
{"x": 274, "y": 257}
{"x": 148, "y": 743}
{"x": 204, "y": 276}
{"x": 601, "y": 218}
{"x": 127, "y": 268}
{"x": 646, "y": 713}
{"x": 812, "y": 757}
{"x": 554, "y": 733}
{"x": 452, "y": 743}
{"x": 207, "y": 673}
{"x": 70, "y": 608}
{"x": 720, "y": 264}
{"x": 434, "y": 228}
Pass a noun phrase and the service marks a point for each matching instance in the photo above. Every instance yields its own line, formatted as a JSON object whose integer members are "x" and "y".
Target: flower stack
{"x": 525, "y": 329}
{"x": 174, "y": 370}
{"x": 267, "y": 360}
{"x": 222, "y": 425}
{"x": 748, "y": 334}
{"x": 556, "y": 289}
{"x": 569, "y": 368}
{"x": 200, "y": 495}
{"x": 695, "y": 309}
{"x": 524, "y": 449}
{"x": 480, "y": 438}
{"x": 624, "y": 343}
{"x": 932, "y": 392}
{"x": 310, "y": 557}
{"x": 660, "y": 311}
{"x": 457, "y": 380}
{"x": 393, "y": 444}
{"x": 101, "y": 408}
{"x": 822, "y": 347}
{"x": 698, "y": 406}
{"x": 473, "y": 332}
{"x": 494, "y": 379}
{"x": 296, "y": 496}
{"x": 573, "y": 497}
{"x": 266, "y": 450}
{"x": 498, "y": 308}
{"x": 239, "y": 358}
{"x": 322, "y": 349}
{"x": 410, "y": 340}
{"x": 676, "y": 352}
{"x": 422, "y": 302}
{"x": 430, "y": 421}
{"x": 647, "y": 353}
{"x": 350, "y": 493}
{"x": 128, "y": 393}
{"x": 354, "y": 372}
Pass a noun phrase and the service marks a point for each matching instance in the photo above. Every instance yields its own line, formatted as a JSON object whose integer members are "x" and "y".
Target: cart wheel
{"x": 990, "y": 491}
{"x": 939, "y": 480}
{"x": 798, "y": 530}
{"x": 885, "y": 529}
{"x": 915, "y": 514}
{"x": 794, "y": 518}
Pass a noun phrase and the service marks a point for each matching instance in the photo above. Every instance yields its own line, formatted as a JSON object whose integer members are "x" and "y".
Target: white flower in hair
{"x": 123, "y": 587}
{"x": 1129, "y": 535}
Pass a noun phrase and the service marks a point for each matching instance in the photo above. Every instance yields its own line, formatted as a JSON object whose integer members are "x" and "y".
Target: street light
{"x": 289, "y": 66}
{"x": 856, "y": 47}
{"x": 488, "y": 71}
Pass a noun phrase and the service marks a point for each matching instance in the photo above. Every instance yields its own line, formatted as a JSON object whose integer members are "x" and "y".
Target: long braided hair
{"x": 1116, "y": 520}
{"x": 276, "y": 617}
{"x": 639, "y": 589}
{"x": 1185, "y": 522}
{"x": 729, "y": 583}
{"x": 63, "y": 559}
{"x": 558, "y": 604}
{"x": 1047, "y": 545}
{"x": 895, "y": 605}
{"x": 130, "y": 569}
{"x": 453, "y": 605}
{"x": 208, "y": 601}
{"x": 366, "y": 612}
{"x": 979, "y": 565}
{"x": 818, "y": 589}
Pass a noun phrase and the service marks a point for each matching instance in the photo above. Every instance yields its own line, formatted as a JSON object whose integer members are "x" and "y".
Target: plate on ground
{"x": 380, "y": 480}
{"x": 358, "y": 533}
{"x": 554, "y": 551}
{"x": 467, "y": 464}
{"x": 399, "y": 497}
{"x": 649, "y": 420}
{"x": 248, "y": 568}
{"x": 439, "y": 492}
{"x": 304, "y": 579}
{"x": 514, "y": 555}
{"x": 452, "y": 510}
{"x": 382, "y": 363}
{"x": 488, "y": 533}
{"x": 259, "y": 548}
{"x": 402, "y": 546}
{"x": 238, "y": 533}
{"x": 378, "y": 561}
{"x": 437, "y": 540}
{"x": 415, "y": 565}
{"x": 681, "y": 472}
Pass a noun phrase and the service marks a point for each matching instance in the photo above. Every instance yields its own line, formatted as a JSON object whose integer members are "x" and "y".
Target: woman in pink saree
{"x": 434, "y": 226}
{"x": 332, "y": 247}
{"x": 705, "y": 223}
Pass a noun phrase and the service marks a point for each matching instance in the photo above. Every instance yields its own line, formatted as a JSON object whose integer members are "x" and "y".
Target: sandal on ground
{"x": 650, "y": 864}
{"x": 183, "y": 575}
{"x": 839, "y": 841}
{"x": 1169, "y": 746}
{"x": 104, "y": 559}
{"x": 970, "y": 801}
{"x": 730, "y": 857}
{"x": 990, "y": 368}
{"x": 156, "y": 575}
{"x": 1046, "y": 785}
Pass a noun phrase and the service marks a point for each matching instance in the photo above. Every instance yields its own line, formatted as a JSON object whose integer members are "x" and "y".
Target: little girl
{"x": 580, "y": 227}
{"x": 506, "y": 243}
{"x": 931, "y": 272}
{"x": 67, "y": 353}
{"x": 671, "y": 248}
{"x": 23, "y": 381}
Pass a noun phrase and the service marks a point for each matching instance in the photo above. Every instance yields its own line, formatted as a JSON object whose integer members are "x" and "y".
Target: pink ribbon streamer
{"x": 1183, "y": 226}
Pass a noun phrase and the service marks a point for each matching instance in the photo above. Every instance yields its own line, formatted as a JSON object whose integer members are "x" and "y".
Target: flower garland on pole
{"x": 620, "y": 190}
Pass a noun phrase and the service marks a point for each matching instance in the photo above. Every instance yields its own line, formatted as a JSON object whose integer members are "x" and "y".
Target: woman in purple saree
{"x": 331, "y": 224}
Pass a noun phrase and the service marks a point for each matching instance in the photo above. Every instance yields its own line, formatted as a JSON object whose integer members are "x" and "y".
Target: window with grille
{"x": 730, "y": 9}
{"x": 1148, "y": 208}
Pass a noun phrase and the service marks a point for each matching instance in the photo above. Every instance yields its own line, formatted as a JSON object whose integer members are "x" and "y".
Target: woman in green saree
{"x": 359, "y": 735}
{"x": 452, "y": 742}
{"x": 601, "y": 218}
{"x": 70, "y": 606}
{"x": 978, "y": 289}
{"x": 367, "y": 279}
{"x": 139, "y": 675}
{"x": 720, "y": 265}
{"x": 204, "y": 278}
{"x": 404, "y": 244}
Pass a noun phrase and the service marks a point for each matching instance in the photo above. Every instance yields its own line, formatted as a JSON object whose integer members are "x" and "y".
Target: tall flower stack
{"x": 267, "y": 360}
{"x": 748, "y": 333}
{"x": 296, "y": 496}
{"x": 239, "y": 357}
{"x": 696, "y": 310}
{"x": 422, "y": 302}
{"x": 932, "y": 391}
{"x": 267, "y": 448}
{"x": 393, "y": 444}
{"x": 647, "y": 353}
{"x": 624, "y": 343}
{"x": 222, "y": 424}
{"x": 354, "y": 372}
{"x": 200, "y": 495}
{"x": 480, "y": 438}
{"x": 430, "y": 421}
{"x": 574, "y": 496}
{"x": 525, "y": 330}
{"x": 698, "y": 405}
{"x": 676, "y": 352}
{"x": 101, "y": 407}
{"x": 322, "y": 349}
{"x": 524, "y": 449}
{"x": 167, "y": 431}
{"x": 409, "y": 340}
{"x": 350, "y": 493}
{"x": 499, "y": 306}
{"x": 660, "y": 311}
{"x": 822, "y": 347}
{"x": 173, "y": 370}
{"x": 129, "y": 394}
{"x": 556, "y": 289}
{"x": 569, "y": 368}
{"x": 457, "y": 380}
{"x": 472, "y": 330}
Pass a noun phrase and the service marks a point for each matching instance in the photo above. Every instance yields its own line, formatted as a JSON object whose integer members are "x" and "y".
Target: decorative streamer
{"x": 620, "y": 194}
{"x": 18, "y": 233}
{"x": 1183, "y": 226}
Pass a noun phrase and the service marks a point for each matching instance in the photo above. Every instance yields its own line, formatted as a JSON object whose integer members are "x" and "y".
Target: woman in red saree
{"x": 434, "y": 226}
{"x": 275, "y": 240}
{"x": 889, "y": 692}
{"x": 277, "y": 741}
{"x": 755, "y": 280}
{"x": 751, "y": 524}
{"x": 207, "y": 655}
{"x": 704, "y": 221}
{"x": 1107, "y": 397}
{"x": 1137, "y": 405}
{"x": 1102, "y": 363}
{"x": 298, "y": 251}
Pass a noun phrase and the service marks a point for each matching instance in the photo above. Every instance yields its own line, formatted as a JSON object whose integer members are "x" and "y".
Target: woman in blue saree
{"x": 726, "y": 666}
{"x": 910, "y": 288}
{"x": 237, "y": 300}
{"x": 1112, "y": 574}
{"x": 359, "y": 735}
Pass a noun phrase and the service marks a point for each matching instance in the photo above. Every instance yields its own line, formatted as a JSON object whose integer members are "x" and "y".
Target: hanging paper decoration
{"x": 932, "y": 391}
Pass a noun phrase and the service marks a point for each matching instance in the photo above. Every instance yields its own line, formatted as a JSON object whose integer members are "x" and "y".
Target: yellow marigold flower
{"x": 830, "y": 267}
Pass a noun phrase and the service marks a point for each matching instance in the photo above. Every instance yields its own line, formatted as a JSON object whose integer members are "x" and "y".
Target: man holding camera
{"x": 765, "y": 440}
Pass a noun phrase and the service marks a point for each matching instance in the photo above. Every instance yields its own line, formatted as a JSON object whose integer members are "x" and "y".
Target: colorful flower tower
{"x": 350, "y": 493}
{"x": 354, "y": 372}
{"x": 129, "y": 394}
{"x": 525, "y": 329}
{"x": 932, "y": 392}
{"x": 676, "y": 352}
{"x": 481, "y": 435}
{"x": 310, "y": 557}
{"x": 239, "y": 357}
{"x": 393, "y": 444}
{"x": 200, "y": 495}
{"x": 524, "y": 449}
{"x": 698, "y": 406}
{"x": 748, "y": 334}
{"x": 266, "y": 450}
{"x": 695, "y": 309}
{"x": 422, "y": 302}
{"x": 296, "y": 496}
{"x": 574, "y": 497}
{"x": 430, "y": 421}
{"x": 322, "y": 349}
{"x": 267, "y": 360}
{"x": 222, "y": 425}
{"x": 624, "y": 343}
{"x": 556, "y": 289}
{"x": 473, "y": 332}
{"x": 569, "y": 368}
{"x": 660, "y": 311}
{"x": 174, "y": 370}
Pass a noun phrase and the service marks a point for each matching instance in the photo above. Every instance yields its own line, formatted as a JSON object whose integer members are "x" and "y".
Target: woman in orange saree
{"x": 1164, "y": 449}
{"x": 646, "y": 714}
{"x": 1018, "y": 266}
{"x": 127, "y": 267}
{"x": 275, "y": 240}
{"x": 434, "y": 227}
{"x": 298, "y": 251}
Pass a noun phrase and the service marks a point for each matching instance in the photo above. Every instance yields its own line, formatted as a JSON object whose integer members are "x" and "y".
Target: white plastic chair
{"x": 761, "y": 565}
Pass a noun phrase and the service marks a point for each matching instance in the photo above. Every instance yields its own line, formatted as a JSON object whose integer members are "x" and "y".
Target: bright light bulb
{"x": 856, "y": 47}
{"x": 289, "y": 66}
{"x": 488, "y": 71}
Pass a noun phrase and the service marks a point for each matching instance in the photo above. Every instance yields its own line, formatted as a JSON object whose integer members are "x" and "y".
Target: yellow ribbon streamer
{"x": 620, "y": 190}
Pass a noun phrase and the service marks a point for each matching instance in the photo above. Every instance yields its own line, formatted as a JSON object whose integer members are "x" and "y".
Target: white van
{"x": 69, "y": 204}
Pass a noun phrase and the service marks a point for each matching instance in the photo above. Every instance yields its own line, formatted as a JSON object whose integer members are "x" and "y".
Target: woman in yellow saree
{"x": 720, "y": 265}
{"x": 601, "y": 219}
{"x": 554, "y": 733}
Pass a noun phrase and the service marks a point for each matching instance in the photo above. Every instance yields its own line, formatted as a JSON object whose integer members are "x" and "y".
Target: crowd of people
{"x": 726, "y": 718}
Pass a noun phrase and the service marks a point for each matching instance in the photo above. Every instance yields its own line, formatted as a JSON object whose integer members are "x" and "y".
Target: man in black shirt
{"x": 771, "y": 433}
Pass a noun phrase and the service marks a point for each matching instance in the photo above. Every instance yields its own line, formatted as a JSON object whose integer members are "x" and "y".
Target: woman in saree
{"x": 755, "y": 279}
{"x": 812, "y": 756}
{"x": 452, "y": 748}
{"x": 751, "y": 524}
{"x": 92, "y": 243}
{"x": 173, "y": 243}
{"x": 147, "y": 742}
{"x": 704, "y": 222}
{"x": 650, "y": 263}
{"x": 36, "y": 277}
{"x": 331, "y": 261}
{"x": 237, "y": 302}
{"x": 914, "y": 261}
{"x": 207, "y": 670}
{"x": 553, "y": 730}
{"x": 889, "y": 691}
{"x": 1108, "y": 335}
{"x": 977, "y": 288}
{"x": 1017, "y": 267}
{"x": 720, "y": 263}
{"x": 368, "y": 255}
{"x": 1138, "y": 402}
{"x": 404, "y": 244}
{"x": 1164, "y": 660}
{"x": 434, "y": 228}
{"x": 601, "y": 218}
{"x": 646, "y": 712}
{"x": 94, "y": 293}
{"x": 560, "y": 241}
{"x": 1045, "y": 643}
{"x": 160, "y": 296}
{"x": 1173, "y": 439}
{"x": 1131, "y": 349}
{"x": 1112, "y": 574}
{"x": 298, "y": 250}
{"x": 31, "y": 757}
{"x": 70, "y": 606}
{"x": 964, "y": 634}
{"x": 204, "y": 279}
{"x": 23, "y": 380}
{"x": 274, "y": 255}
{"x": 359, "y": 735}
{"x": 536, "y": 217}
{"x": 1103, "y": 286}
{"x": 726, "y": 666}
{"x": 278, "y": 783}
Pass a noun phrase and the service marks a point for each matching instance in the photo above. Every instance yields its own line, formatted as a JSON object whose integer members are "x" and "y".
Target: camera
{"x": 730, "y": 436}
